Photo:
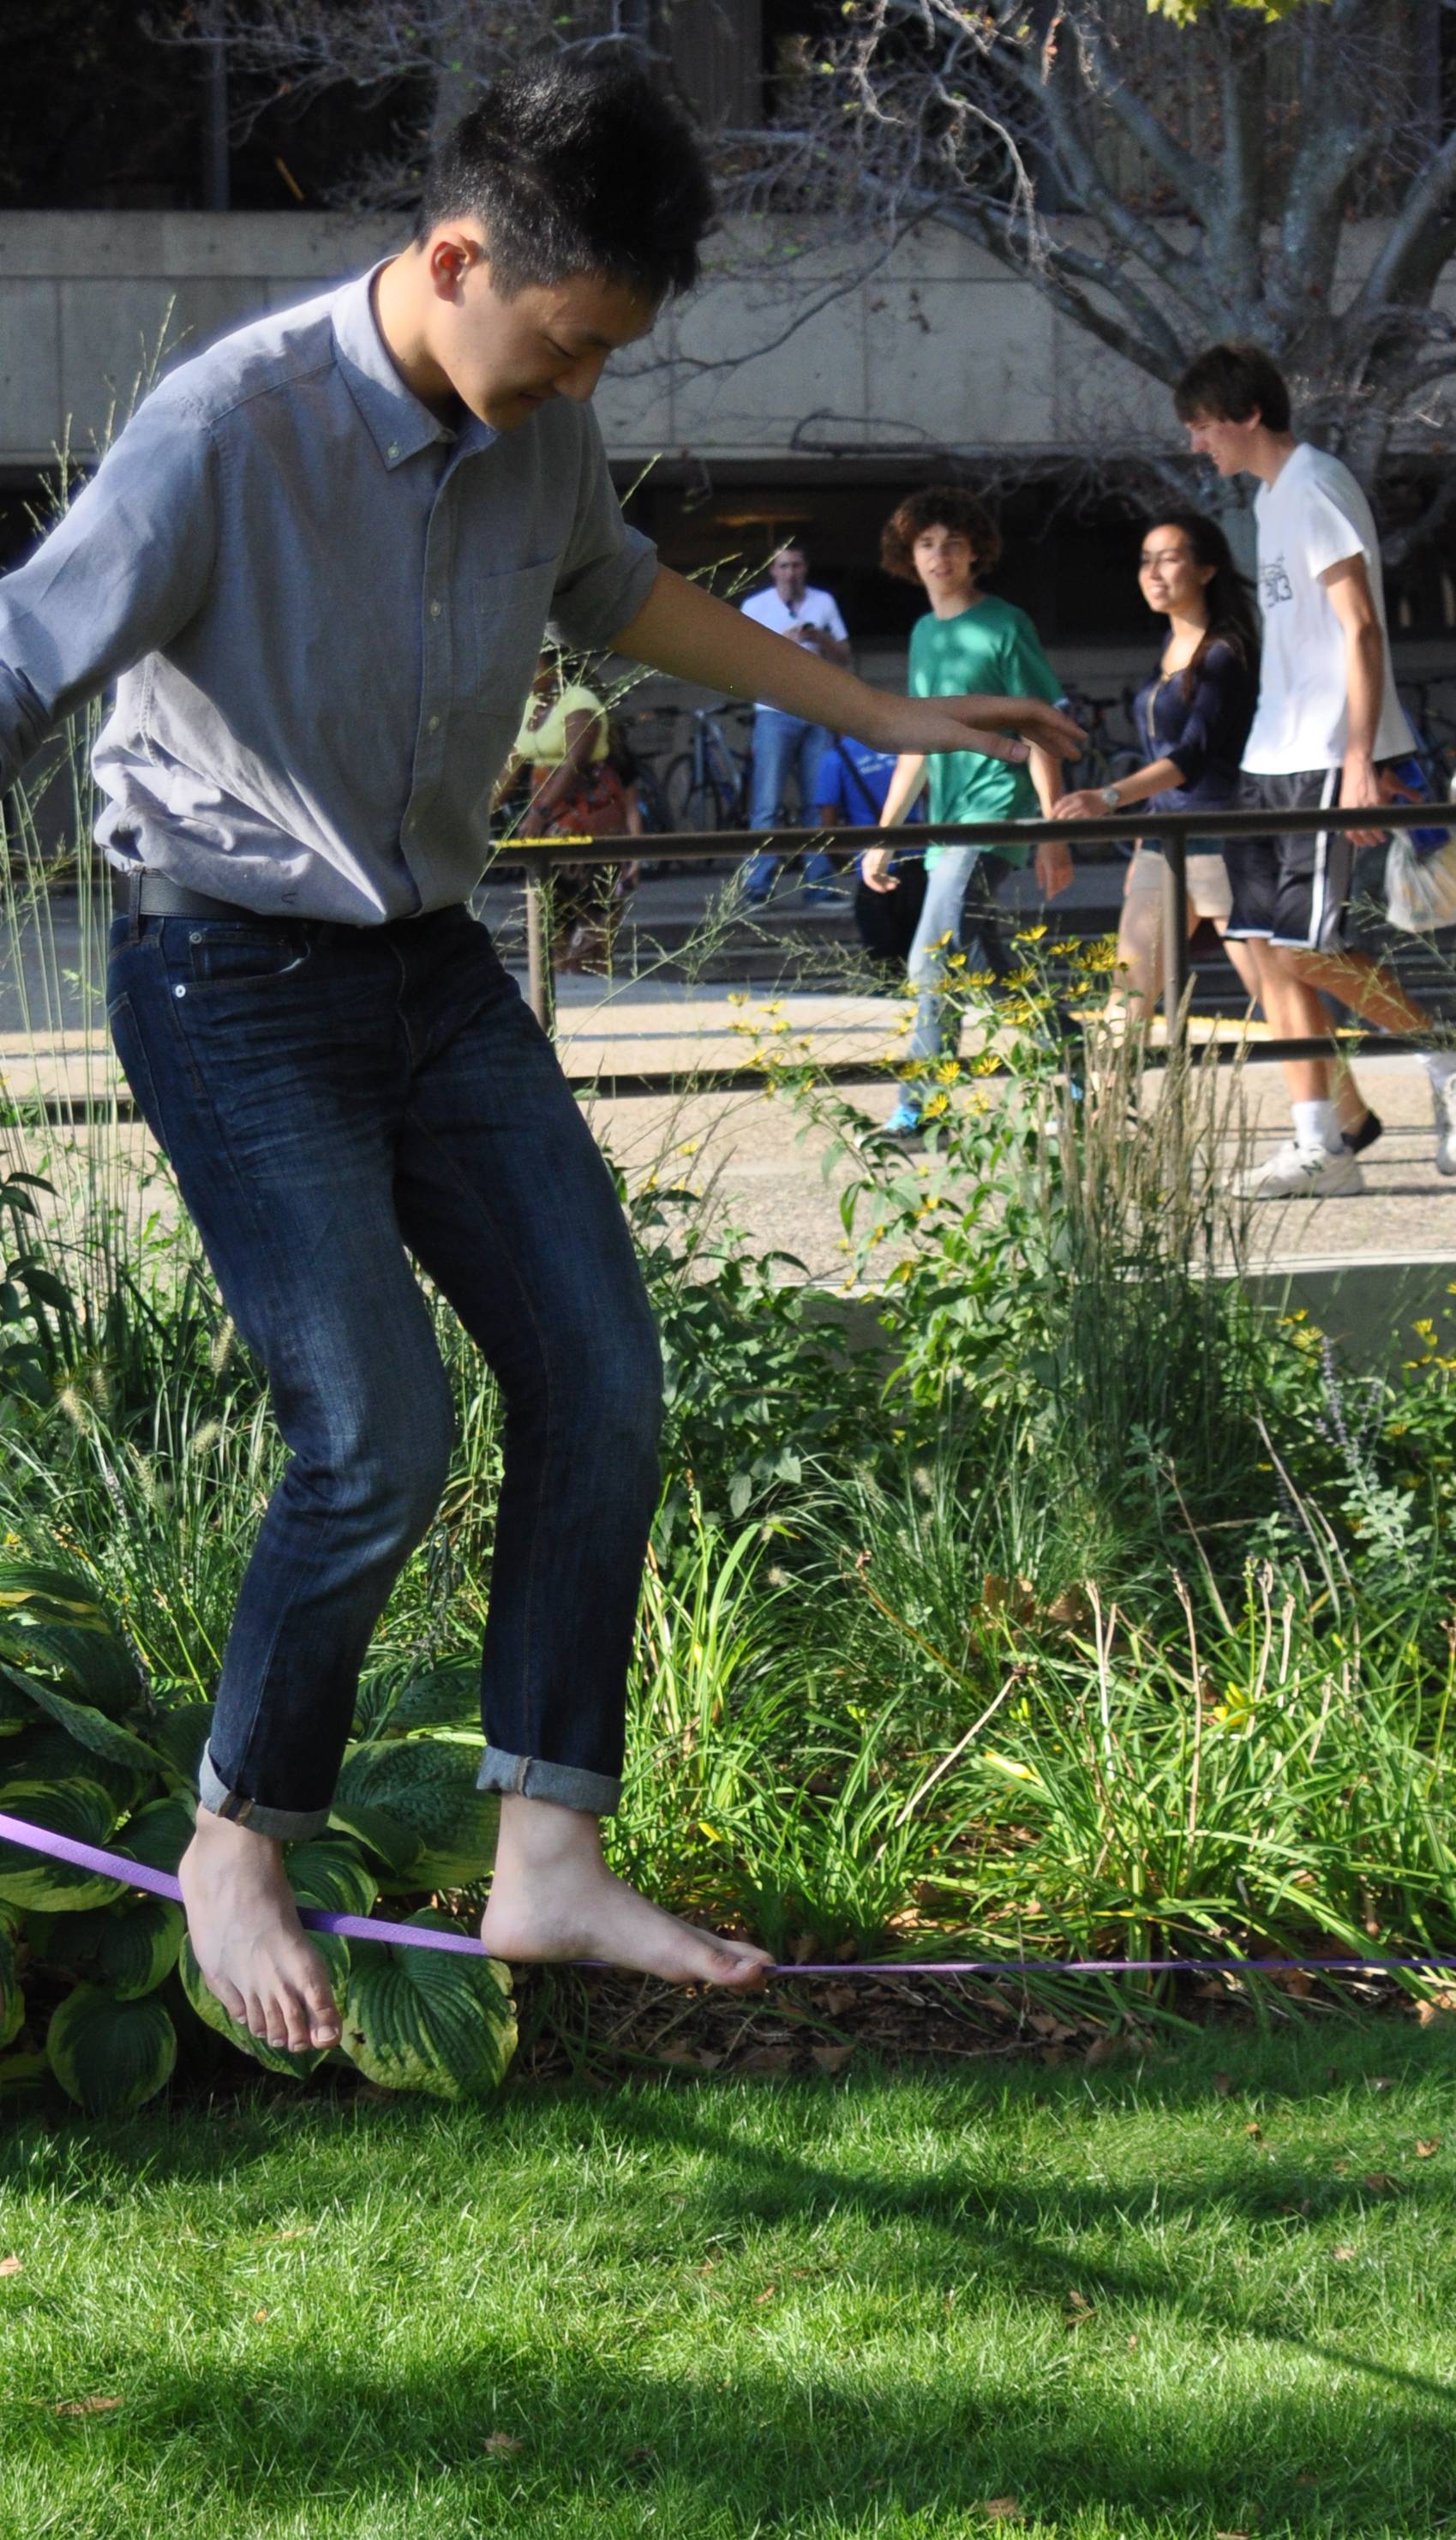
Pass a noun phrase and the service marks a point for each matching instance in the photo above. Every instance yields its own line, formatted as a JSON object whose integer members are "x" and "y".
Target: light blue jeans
{"x": 936, "y": 1030}
{"x": 784, "y": 748}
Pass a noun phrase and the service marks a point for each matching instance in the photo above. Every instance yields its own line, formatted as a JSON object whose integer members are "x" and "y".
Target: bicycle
{"x": 707, "y": 787}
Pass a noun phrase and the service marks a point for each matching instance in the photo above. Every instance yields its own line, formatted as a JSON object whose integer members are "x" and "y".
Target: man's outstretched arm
{"x": 689, "y": 634}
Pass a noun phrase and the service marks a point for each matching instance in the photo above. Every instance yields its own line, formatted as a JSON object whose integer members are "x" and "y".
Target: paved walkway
{"x": 750, "y": 1150}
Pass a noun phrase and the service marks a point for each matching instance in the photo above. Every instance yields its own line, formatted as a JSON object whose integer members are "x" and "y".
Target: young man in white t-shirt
{"x": 1328, "y": 716}
{"x": 785, "y": 746}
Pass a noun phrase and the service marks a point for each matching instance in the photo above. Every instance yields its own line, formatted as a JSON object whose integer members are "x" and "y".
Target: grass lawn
{"x": 1214, "y": 2292}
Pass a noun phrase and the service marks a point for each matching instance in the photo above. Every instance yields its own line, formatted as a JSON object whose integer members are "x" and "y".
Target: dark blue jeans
{"x": 334, "y": 1100}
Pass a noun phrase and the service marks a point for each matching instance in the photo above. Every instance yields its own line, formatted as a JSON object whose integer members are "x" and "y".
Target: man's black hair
{"x": 1227, "y": 382}
{"x": 577, "y": 167}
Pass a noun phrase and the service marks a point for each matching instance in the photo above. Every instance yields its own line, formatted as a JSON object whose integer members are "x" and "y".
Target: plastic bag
{"x": 1420, "y": 891}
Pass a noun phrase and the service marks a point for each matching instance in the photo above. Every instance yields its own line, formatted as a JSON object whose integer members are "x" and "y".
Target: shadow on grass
{"x": 759, "y": 2428}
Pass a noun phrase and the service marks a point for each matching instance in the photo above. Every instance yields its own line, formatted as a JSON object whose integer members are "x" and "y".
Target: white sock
{"x": 1439, "y": 1064}
{"x": 1315, "y": 1125}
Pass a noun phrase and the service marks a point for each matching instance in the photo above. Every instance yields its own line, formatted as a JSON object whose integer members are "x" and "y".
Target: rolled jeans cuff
{"x": 286, "y": 1825}
{"x": 527, "y": 1777}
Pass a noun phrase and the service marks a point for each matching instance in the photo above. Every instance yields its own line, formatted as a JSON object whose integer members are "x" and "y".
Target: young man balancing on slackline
{"x": 320, "y": 561}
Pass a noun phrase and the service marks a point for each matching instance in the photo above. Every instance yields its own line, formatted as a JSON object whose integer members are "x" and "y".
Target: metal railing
{"x": 1172, "y": 831}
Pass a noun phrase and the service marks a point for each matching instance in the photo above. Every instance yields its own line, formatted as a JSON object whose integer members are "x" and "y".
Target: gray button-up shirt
{"x": 322, "y": 610}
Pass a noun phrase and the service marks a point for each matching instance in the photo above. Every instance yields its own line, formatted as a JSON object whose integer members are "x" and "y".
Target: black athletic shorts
{"x": 1292, "y": 890}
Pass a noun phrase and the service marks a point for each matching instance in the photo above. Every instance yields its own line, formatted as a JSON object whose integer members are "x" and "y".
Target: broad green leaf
{"x": 49, "y": 1753}
{"x": 330, "y": 1873}
{"x": 447, "y": 1697}
{"x": 157, "y": 1835}
{"x": 425, "y": 1788}
{"x": 12, "y": 2000}
{"x": 181, "y": 1733}
{"x": 108, "y": 2056}
{"x": 88, "y": 1727}
{"x": 130, "y": 1950}
{"x": 419, "y": 2020}
{"x": 53, "y": 1619}
{"x": 79, "y": 1809}
{"x": 23, "y": 2076}
{"x": 335, "y": 1955}
{"x": 15, "y": 1713}
{"x": 393, "y": 1848}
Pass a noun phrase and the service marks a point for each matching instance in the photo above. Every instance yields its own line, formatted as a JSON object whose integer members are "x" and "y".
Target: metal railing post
{"x": 1176, "y": 965}
{"x": 540, "y": 971}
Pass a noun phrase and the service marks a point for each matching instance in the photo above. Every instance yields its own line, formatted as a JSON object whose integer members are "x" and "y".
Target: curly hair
{"x": 938, "y": 507}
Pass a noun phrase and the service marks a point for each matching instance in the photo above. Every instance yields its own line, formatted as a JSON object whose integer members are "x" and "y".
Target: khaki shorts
{"x": 1209, "y": 894}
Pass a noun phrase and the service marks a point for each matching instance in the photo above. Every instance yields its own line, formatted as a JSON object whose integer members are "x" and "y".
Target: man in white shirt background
{"x": 786, "y": 750}
{"x": 1328, "y": 716}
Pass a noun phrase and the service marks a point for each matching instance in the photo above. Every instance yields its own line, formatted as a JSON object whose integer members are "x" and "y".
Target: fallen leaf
{"x": 767, "y": 2059}
{"x": 83, "y": 2407}
{"x": 766, "y": 2295}
{"x": 836, "y": 1999}
{"x": 503, "y": 2444}
{"x": 1344, "y": 2251}
{"x": 831, "y": 2059}
{"x": 1230, "y": 2535}
{"x": 258, "y": 2318}
{"x": 706, "y": 2267}
{"x": 1000, "y": 2508}
{"x": 1378, "y": 2182}
{"x": 1255, "y": 2132}
{"x": 1080, "y": 2309}
{"x": 1425, "y": 2146}
{"x": 1382, "y": 2081}
{"x": 1341, "y": 2168}
{"x": 1133, "y": 2344}
{"x": 9, "y": 2266}
{"x": 1222, "y": 2084}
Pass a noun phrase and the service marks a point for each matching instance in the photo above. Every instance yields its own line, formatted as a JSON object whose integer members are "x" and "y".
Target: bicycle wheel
{"x": 695, "y": 801}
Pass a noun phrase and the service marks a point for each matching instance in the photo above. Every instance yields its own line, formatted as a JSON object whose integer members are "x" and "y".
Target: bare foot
{"x": 553, "y": 1896}
{"x": 246, "y": 1934}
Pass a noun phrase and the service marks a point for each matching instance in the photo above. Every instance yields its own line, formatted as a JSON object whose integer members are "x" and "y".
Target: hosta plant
{"x": 98, "y": 1988}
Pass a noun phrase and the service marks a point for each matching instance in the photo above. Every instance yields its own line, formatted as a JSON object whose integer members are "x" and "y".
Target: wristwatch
{"x": 1112, "y": 798}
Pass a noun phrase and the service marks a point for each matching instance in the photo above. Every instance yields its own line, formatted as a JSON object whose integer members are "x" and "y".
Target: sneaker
{"x": 1372, "y": 1128}
{"x": 1443, "y": 1104}
{"x": 904, "y": 1122}
{"x": 1302, "y": 1173}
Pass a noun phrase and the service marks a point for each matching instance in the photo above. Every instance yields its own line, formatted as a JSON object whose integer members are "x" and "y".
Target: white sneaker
{"x": 1443, "y": 1104}
{"x": 1304, "y": 1172}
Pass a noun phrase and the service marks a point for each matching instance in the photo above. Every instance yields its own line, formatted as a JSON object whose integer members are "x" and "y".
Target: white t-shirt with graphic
{"x": 1314, "y": 515}
{"x": 815, "y": 608}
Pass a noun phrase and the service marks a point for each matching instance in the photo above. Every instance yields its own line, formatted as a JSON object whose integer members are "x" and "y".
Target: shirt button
{"x": 179, "y": 992}
{"x": 393, "y": 450}
{"x": 434, "y": 724}
{"x": 435, "y": 608}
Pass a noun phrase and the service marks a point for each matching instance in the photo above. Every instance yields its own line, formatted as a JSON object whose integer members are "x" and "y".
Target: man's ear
{"x": 450, "y": 257}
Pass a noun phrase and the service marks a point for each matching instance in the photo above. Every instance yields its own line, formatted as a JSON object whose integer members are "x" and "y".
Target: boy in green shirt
{"x": 945, "y": 540}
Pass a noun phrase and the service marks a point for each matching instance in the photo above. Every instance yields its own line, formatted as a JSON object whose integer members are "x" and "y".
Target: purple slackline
{"x": 411, "y": 1935}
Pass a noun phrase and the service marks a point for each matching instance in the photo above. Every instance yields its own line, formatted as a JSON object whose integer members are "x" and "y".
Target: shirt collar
{"x": 399, "y": 424}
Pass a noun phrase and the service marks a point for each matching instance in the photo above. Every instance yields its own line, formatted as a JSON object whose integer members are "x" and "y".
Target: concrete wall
{"x": 941, "y": 348}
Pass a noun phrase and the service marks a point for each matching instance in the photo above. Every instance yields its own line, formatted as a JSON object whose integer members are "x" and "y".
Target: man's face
{"x": 505, "y": 356}
{"x": 944, "y": 559}
{"x": 791, "y": 573}
{"x": 1228, "y": 445}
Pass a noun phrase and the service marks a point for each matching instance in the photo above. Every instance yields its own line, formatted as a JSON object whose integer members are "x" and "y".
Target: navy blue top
{"x": 1203, "y": 734}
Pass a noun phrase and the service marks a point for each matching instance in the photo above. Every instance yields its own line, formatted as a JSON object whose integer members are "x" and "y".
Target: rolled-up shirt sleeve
{"x": 608, "y": 569}
{"x": 122, "y": 571}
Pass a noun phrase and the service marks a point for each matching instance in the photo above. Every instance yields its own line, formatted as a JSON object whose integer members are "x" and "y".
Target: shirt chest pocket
{"x": 507, "y": 628}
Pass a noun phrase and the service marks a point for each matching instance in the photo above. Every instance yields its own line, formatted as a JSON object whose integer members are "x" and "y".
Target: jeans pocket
{"x": 223, "y": 954}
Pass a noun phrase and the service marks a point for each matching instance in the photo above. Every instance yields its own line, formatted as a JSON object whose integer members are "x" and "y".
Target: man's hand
{"x": 1359, "y": 790}
{"x": 875, "y": 868}
{"x": 1053, "y": 867}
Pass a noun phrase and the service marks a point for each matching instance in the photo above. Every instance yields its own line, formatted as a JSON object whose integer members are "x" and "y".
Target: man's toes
{"x": 228, "y": 1995}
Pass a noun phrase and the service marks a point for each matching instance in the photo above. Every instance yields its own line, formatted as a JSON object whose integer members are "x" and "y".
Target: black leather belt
{"x": 150, "y": 894}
